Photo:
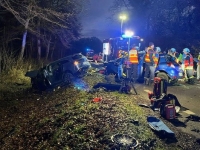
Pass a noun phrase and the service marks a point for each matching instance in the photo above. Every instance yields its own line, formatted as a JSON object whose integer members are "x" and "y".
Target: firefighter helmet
{"x": 136, "y": 47}
{"x": 158, "y": 50}
{"x": 173, "y": 50}
{"x": 186, "y": 50}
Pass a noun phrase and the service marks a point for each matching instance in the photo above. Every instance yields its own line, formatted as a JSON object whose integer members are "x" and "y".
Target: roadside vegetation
{"x": 67, "y": 118}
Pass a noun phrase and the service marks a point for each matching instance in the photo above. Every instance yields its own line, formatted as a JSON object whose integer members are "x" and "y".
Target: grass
{"x": 68, "y": 119}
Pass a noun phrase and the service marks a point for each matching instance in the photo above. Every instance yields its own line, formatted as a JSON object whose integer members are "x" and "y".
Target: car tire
{"x": 67, "y": 78}
{"x": 163, "y": 75}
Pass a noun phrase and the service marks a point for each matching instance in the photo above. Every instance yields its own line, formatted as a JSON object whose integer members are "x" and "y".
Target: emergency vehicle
{"x": 113, "y": 46}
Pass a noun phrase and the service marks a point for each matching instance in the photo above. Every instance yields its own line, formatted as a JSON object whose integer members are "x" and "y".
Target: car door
{"x": 54, "y": 73}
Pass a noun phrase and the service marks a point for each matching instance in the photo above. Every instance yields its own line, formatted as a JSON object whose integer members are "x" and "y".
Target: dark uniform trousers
{"x": 149, "y": 71}
{"x": 133, "y": 73}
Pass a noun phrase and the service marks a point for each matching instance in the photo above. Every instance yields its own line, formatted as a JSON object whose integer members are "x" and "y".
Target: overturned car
{"x": 60, "y": 72}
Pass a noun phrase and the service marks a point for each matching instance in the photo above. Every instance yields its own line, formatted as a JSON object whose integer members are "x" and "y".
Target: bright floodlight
{"x": 122, "y": 17}
{"x": 128, "y": 34}
{"x": 141, "y": 40}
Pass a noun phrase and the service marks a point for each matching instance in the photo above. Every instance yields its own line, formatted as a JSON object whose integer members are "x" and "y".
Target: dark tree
{"x": 88, "y": 43}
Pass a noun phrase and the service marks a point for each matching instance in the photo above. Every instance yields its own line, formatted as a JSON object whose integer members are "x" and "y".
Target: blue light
{"x": 128, "y": 34}
{"x": 81, "y": 85}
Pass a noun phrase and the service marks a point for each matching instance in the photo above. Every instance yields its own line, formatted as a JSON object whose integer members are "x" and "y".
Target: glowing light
{"x": 81, "y": 85}
{"x": 76, "y": 63}
{"x": 128, "y": 34}
{"x": 122, "y": 17}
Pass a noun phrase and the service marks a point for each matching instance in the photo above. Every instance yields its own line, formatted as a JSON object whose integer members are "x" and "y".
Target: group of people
{"x": 150, "y": 60}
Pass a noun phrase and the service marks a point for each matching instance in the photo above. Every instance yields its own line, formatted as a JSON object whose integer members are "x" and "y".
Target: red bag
{"x": 170, "y": 112}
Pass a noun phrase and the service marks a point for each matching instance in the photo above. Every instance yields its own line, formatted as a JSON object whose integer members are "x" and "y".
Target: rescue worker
{"x": 198, "y": 68}
{"x": 120, "y": 65}
{"x": 133, "y": 59}
{"x": 188, "y": 65}
{"x": 156, "y": 55}
{"x": 174, "y": 54}
{"x": 149, "y": 64}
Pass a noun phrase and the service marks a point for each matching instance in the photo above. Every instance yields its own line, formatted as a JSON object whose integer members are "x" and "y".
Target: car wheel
{"x": 67, "y": 78}
{"x": 163, "y": 75}
{"x": 173, "y": 82}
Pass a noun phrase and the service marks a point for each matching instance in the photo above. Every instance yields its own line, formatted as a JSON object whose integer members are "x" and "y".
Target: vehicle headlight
{"x": 76, "y": 63}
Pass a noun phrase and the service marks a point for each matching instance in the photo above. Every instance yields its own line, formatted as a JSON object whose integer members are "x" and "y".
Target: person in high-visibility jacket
{"x": 133, "y": 59}
{"x": 156, "y": 55}
{"x": 198, "y": 68}
{"x": 174, "y": 54}
{"x": 188, "y": 65}
{"x": 120, "y": 65}
{"x": 122, "y": 53}
{"x": 149, "y": 64}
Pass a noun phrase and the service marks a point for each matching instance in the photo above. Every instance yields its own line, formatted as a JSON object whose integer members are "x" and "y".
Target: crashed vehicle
{"x": 60, "y": 72}
{"x": 167, "y": 69}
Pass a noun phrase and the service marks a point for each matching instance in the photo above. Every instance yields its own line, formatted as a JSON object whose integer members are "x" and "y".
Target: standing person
{"x": 120, "y": 66}
{"x": 156, "y": 55}
{"x": 198, "y": 68}
{"x": 149, "y": 64}
{"x": 188, "y": 65}
{"x": 174, "y": 54}
{"x": 133, "y": 59}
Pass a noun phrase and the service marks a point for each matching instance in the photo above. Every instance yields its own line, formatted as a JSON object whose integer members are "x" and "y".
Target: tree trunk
{"x": 39, "y": 41}
{"x": 24, "y": 40}
{"x": 48, "y": 48}
{"x": 39, "y": 48}
{"x": 52, "y": 52}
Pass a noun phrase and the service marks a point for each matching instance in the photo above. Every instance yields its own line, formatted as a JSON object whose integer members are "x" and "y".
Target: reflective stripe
{"x": 133, "y": 56}
{"x": 147, "y": 58}
{"x": 120, "y": 53}
{"x": 155, "y": 58}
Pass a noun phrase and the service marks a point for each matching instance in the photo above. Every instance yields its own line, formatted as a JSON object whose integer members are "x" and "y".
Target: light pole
{"x": 122, "y": 18}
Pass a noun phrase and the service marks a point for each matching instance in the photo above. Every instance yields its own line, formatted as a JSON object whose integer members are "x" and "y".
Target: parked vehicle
{"x": 167, "y": 69}
{"x": 60, "y": 72}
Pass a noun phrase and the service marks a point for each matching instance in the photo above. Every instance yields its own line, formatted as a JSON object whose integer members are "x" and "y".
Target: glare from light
{"x": 76, "y": 63}
{"x": 141, "y": 40}
{"x": 123, "y": 17}
{"x": 128, "y": 34}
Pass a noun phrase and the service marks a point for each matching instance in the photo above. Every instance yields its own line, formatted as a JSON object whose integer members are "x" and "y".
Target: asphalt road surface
{"x": 188, "y": 95}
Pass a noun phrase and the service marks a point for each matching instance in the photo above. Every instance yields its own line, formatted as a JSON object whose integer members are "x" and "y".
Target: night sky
{"x": 96, "y": 20}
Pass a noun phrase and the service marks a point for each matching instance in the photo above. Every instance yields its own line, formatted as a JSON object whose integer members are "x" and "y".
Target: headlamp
{"x": 76, "y": 63}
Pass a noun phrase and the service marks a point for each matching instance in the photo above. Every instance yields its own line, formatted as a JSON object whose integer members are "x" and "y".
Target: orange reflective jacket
{"x": 155, "y": 58}
{"x": 133, "y": 56}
